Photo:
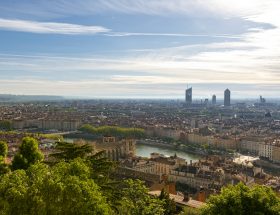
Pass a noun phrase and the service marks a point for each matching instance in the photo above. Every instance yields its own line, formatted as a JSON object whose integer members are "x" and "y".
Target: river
{"x": 146, "y": 150}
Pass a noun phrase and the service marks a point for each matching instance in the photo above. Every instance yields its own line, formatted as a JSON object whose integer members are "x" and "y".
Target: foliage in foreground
{"x": 4, "y": 168}
{"x": 27, "y": 154}
{"x": 3, "y": 149}
{"x": 69, "y": 151}
{"x": 169, "y": 204}
{"x": 65, "y": 188}
{"x": 78, "y": 182}
{"x": 241, "y": 199}
{"x": 70, "y": 188}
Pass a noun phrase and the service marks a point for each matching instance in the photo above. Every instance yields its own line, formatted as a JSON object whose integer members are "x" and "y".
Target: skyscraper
{"x": 189, "y": 95}
{"x": 227, "y": 98}
{"x": 262, "y": 100}
{"x": 213, "y": 99}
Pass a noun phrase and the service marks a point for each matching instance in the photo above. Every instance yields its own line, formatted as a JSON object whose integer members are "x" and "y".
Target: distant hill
{"x": 26, "y": 98}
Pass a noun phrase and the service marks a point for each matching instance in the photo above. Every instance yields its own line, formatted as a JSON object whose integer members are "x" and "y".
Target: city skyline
{"x": 140, "y": 49}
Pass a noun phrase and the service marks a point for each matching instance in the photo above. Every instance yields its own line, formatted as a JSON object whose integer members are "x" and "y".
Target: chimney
{"x": 201, "y": 195}
{"x": 186, "y": 197}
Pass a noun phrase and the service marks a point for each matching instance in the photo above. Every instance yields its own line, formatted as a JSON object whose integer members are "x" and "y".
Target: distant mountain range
{"x": 25, "y": 98}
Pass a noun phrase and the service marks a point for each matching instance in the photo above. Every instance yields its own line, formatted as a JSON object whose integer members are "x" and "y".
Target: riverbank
{"x": 146, "y": 150}
{"x": 268, "y": 167}
{"x": 171, "y": 146}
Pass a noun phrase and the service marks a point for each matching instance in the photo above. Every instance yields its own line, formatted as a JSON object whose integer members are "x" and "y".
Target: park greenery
{"x": 81, "y": 181}
{"x": 113, "y": 131}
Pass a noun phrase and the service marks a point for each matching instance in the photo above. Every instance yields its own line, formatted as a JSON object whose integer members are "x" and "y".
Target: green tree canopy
{"x": 168, "y": 204}
{"x": 114, "y": 131}
{"x": 135, "y": 200}
{"x": 28, "y": 154}
{"x": 102, "y": 167}
{"x": 65, "y": 188}
{"x": 68, "y": 188}
{"x": 3, "y": 149}
{"x": 4, "y": 168}
{"x": 69, "y": 151}
{"x": 190, "y": 211}
{"x": 243, "y": 200}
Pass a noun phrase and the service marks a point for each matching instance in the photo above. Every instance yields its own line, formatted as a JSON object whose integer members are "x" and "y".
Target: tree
{"x": 113, "y": 131}
{"x": 3, "y": 149}
{"x": 28, "y": 154}
{"x": 69, "y": 151}
{"x": 134, "y": 199}
{"x": 168, "y": 204}
{"x": 101, "y": 166}
{"x": 241, "y": 199}
{"x": 4, "y": 168}
{"x": 65, "y": 188}
{"x": 190, "y": 211}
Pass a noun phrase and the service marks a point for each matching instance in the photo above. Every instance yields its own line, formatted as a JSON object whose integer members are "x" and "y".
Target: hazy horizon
{"x": 196, "y": 99}
{"x": 140, "y": 49}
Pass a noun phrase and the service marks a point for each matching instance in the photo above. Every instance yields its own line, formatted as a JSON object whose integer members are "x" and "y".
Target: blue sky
{"x": 140, "y": 48}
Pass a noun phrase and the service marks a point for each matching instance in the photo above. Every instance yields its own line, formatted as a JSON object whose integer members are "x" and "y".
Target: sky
{"x": 140, "y": 48}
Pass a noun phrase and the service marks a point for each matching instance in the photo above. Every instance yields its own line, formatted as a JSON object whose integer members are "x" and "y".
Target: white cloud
{"x": 197, "y": 8}
{"x": 49, "y": 27}
{"x": 128, "y": 34}
{"x": 253, "y": 59}
{"x": 74, "y": 29}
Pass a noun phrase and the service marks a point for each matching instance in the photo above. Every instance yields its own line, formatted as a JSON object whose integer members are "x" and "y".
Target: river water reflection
{"x": 146, "y": 150}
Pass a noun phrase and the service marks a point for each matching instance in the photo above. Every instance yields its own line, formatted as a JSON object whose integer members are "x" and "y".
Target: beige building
{"x": 251, "y": 145}
{"x": 216, "y": 142}
{"x": 145, "y": 166}
{"x": 116, "y": 149}
{"x": 222, "y": 143}
{"x": 198, "y": 139}
{"x": 162, "y": 131}
{"x": 276, "y": 151}
{"x": 61, "y": 125}
{"x": 47, "y": 124}
{"x": 265, "y": 150}
{"x": 270, "y": 150}
{"x": 164, "y": 165}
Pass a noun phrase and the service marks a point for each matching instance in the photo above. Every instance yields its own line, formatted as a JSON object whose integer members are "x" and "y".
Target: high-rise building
{"x": 262, "y": 100}
{"x": 214, "y": 100}
{"x": 189, "y": 95}
{"x": 227, "y": 98}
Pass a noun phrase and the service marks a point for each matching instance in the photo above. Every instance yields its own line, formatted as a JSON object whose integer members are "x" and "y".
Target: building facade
{"x": 227, "y": 98}
{"x": 189, "y": 95}
{"x": 214, "y": 100}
